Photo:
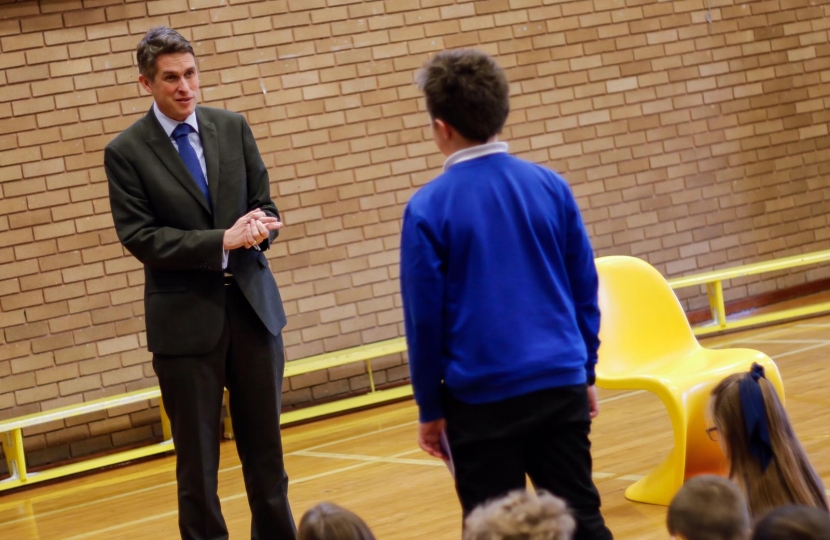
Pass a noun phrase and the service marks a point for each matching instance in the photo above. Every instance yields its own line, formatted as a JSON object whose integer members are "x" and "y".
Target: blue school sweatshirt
{"x": 498, "y": 282}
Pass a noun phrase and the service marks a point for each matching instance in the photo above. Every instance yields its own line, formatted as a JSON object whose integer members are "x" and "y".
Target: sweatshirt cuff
{"x": 430, "y": 413}
{"x": 590, "y": 374}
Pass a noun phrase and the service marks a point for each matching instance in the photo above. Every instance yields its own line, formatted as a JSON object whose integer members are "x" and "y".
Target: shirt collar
{"x": 475, "y": 152}
{"x": 168, "y": 124}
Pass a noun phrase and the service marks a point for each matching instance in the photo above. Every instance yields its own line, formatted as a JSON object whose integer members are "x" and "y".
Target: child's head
{"x": 708, "y": 508}
{"x": 327, "y": 521}
{"x": 467, "y": 94}
{"x": 794, "y": 522}
{"x": 766, "y": 459}
{"x": 521, "y": 515}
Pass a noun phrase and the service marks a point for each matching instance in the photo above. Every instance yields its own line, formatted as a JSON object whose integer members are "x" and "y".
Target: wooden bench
{"x": 11, "y": 431}
{"x": 363, "y": 353}
{"x": 12, "y": 439}
{"x": 714, "y": 288}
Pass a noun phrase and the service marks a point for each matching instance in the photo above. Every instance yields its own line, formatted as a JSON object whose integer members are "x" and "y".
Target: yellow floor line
{"x": 376, "y": 459}
{"x": 362, "y": 435}
{"x": 322, "y": 474}
{"x": 621, "y": 396}
{"x": 801, "y": 350}
{"x": 123, "y": 525}
{"x": 631, "y": 477}
{"x": 96, "y": 502}
{"x": 363, "y": 462}
{"x": 786, "y": 341}
{"x": 74, "y": 490}
{"x": 169, "y": 468}
{"x": 742, "y": 339}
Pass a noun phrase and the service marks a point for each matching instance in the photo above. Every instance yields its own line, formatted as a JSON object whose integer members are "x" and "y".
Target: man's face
{"x": 175, "y": 86}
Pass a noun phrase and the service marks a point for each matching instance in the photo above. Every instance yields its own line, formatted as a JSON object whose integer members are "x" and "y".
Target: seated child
{"x": 793, "y": 522}
{"x": 708, "y": 508}
{"x": 521, "y": 515}
{"x": 765, "y": 458}
{"x": 327, "y": 521}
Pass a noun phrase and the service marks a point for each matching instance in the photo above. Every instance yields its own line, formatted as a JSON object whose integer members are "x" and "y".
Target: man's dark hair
{"x": 794, "y": 522}
{"x": 709, "y": 508}
{"x": 467, "y": 90}
{"x": 158, "y": 41}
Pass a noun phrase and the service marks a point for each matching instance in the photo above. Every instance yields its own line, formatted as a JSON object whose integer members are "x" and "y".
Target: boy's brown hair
{"x": 794, "y": 522}
{"x": 467, "y": 90}
{"x": 327, "y": 521}
{"x": 708, "y": 508}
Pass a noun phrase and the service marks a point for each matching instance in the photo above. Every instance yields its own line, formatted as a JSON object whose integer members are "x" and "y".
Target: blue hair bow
{"x": 755, "y": 416}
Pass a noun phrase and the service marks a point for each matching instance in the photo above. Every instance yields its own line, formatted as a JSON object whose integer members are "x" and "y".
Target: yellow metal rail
{"x": 79, "y": 409}
{"x": 714, "y": 288}
{"x": 11, "y": 431}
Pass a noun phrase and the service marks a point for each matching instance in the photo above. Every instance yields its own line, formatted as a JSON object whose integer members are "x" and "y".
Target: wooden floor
{"x": 370, "y": 463}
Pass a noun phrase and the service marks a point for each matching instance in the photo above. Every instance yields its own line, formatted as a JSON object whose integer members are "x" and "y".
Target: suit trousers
{"x": 543, "y": 435}
{"x": 249, "y": 361}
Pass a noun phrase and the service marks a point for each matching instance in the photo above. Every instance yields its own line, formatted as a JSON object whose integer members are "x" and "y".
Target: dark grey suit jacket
{"x": 163, "y": 219}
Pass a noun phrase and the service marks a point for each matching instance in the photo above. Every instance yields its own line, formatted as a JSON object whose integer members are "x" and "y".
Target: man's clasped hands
{"x": 250, "y": 230}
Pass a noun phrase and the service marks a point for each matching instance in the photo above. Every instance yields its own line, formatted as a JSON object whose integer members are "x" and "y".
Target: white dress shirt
{"x": 168, "y": 125}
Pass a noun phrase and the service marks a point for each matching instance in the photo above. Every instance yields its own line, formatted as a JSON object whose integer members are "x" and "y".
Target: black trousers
{"x": 543, "y": 435}
{"x": 249, "y": 361}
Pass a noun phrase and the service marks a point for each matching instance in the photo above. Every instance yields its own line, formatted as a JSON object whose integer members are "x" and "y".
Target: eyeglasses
{"x": 712, "y": 432}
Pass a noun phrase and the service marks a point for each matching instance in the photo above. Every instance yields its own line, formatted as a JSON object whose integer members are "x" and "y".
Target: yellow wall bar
{"x": 716, "y": 305}
{"x": 15, "y": 457}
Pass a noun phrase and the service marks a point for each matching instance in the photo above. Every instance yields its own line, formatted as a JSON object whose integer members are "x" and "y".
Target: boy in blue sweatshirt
{"x": 500, "y": 304}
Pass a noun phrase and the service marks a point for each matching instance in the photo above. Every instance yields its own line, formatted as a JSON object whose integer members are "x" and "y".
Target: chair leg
{"x": 660, "y": 485}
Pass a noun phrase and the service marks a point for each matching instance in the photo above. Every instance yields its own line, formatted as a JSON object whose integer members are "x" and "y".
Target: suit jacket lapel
{"x": 210, "y": 144}
{"x": 166, "y": 152}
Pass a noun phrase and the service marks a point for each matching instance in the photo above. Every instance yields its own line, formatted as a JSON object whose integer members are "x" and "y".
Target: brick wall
{"x": 694, "y": 134}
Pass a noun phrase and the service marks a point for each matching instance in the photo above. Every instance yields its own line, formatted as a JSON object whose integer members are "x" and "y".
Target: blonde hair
{"x": 789, "y": 478}
{"x": 327, "y": 521}
{"x": 521, "y": 515}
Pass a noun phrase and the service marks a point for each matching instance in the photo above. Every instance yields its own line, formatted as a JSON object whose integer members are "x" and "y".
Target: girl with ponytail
{"x": 766, "y": 460}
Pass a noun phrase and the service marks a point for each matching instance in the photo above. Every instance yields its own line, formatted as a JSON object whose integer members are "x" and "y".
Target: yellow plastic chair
{"x": 647, "y": 344}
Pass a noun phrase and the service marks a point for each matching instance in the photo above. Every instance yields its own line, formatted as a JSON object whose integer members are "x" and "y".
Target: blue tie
{"x": 188, "y": 155}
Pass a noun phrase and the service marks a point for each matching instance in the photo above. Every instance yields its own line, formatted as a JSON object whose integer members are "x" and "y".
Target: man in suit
{"x": 190, "y": 199}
